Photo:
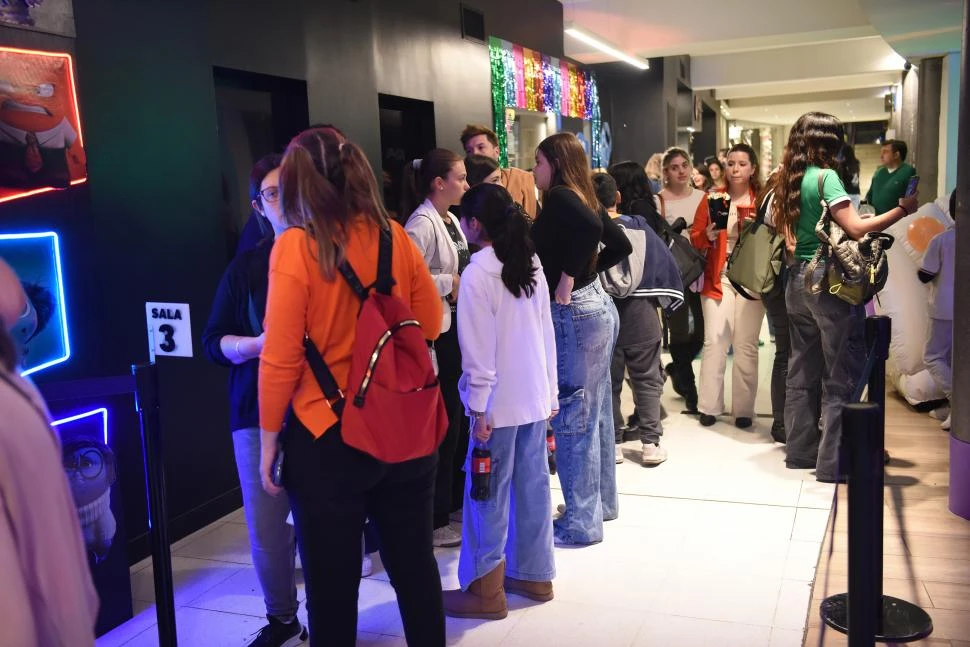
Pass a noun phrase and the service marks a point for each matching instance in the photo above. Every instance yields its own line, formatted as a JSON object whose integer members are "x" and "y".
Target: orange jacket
{"x": 301, "y": 301}
{"x": 716, "y": 251}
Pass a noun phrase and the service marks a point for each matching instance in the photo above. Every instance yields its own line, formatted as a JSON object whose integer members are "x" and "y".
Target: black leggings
{"x": 332, "y": 489}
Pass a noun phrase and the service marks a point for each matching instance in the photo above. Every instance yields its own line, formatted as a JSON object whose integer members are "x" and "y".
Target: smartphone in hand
{"x": 912, "y": 185}
{"x": 719, "y": 205}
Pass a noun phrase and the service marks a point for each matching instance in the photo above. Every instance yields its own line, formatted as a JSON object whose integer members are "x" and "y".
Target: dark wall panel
{"x": 632, "y": 101}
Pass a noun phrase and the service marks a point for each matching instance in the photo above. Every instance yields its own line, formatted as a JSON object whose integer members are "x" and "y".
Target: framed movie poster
{"x": 51, "y": 16}
{"x": 41, "y": 145}
{"x": 41, "y": 331}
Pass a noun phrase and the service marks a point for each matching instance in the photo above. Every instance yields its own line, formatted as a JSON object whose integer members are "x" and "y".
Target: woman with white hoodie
{"x": 432, "y": 185}
{"x": 510, "y": 389}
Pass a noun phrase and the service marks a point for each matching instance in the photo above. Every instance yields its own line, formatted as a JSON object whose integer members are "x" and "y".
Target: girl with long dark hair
{"x": 332, "y": 204}
{"x": 729, "y": 318}
{"x": 567, "y": 235}
{"x": 827, "y": 334}
{"x": 434, "y": 183}
{"x": 510, "y": 390}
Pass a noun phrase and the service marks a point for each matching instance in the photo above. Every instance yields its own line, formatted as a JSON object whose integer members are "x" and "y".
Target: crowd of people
{"x": 536, "y": 299}
{"x": 513, "y": 278}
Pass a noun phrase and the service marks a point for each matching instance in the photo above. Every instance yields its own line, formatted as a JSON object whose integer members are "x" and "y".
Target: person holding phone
{"x": 891, "y": 180}
{"x": 828, "y": 347}
{"x": 729, "y": 318}
{"x": 234, "y": 338}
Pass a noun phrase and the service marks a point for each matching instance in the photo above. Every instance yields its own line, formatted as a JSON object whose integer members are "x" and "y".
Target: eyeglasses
{"x": 270, "y": 194}
{"x": 89, "y": 463}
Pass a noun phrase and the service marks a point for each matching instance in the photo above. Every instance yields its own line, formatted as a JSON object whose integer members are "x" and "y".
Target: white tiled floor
{"x": 717, "y": 546}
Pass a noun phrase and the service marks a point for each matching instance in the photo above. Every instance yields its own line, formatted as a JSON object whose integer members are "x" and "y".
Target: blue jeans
{"x": 827, "y": 349}
{"x": 516, "y": 519}
{"x": 271, "y": 540}
{"x": 586, "y": 332}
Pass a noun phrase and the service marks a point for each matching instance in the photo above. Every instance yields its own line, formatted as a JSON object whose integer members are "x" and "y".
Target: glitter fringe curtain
{"x": 526, "y": 79}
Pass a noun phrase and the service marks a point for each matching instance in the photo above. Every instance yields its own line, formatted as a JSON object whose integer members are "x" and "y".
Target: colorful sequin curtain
{"x": 528, "y": 80}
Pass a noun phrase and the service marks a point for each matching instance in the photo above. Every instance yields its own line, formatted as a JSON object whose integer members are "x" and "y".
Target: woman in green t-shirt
{"x": 827, "y": 334}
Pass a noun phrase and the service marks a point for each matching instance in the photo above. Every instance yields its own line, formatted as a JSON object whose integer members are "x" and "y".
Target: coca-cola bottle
{"x": 551, "y": 449}
{"x": 481, "y": 473}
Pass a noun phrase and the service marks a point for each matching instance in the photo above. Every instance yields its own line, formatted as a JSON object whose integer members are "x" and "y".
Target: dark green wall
{"x": 148, "y": 225}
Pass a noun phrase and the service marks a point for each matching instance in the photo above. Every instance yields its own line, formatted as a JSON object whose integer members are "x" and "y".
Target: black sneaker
{"x": 707, "y": 420}
{"x": 280, "y": 634}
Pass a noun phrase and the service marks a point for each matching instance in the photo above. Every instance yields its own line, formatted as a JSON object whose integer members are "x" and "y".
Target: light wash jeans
{"x": 516, "y": 519}
{"x": 271, "y": 540}
{"x": 586, "y": 332}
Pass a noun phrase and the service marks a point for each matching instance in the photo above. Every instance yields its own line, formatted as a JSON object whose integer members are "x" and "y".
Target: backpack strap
{"x": 814, "y": 287}
{"x": 324, "y": 377}
{"x": 385, "y": 254}
{"x": 384, "y": 281}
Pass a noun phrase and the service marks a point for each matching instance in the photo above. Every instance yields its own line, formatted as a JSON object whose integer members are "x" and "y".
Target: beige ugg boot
{"x": 485, "y": 598}
{"x": 538, "y": 591}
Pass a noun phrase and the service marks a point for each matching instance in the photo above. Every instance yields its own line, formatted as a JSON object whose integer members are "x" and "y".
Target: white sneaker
{"x": 445, "y": 537}
{"x": 940, "y": 413}
{"x": 619, "y": 454}
{"x": 945, "y": 425}
{"x": 653, "y": 454}
{"x": 367, "y": 566}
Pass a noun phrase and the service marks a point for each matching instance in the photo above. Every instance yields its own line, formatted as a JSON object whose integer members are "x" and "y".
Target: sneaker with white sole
{"x": 945, "y": 425}
{"x": 619, "y": 454}
{"x": 280, "y": 634}
{"x": 652, "y": 454}
{"x": 445, "y": 537}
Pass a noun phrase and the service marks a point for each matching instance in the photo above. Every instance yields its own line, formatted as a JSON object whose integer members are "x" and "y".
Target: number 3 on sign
{"x": 169, "y": 329}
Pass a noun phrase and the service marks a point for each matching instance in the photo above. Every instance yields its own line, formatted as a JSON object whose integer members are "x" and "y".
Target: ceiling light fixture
{"x": 594, "y": 41}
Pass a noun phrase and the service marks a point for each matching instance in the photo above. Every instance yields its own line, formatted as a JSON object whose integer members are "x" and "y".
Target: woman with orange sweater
{"x": 331, "y": 200}
{"x": 729, "y": 318}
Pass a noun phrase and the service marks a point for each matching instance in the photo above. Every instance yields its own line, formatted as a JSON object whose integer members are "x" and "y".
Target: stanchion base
{"x": 902, "y": 621}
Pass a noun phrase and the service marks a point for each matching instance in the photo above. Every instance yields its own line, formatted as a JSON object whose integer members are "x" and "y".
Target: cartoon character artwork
{"x": 41, "y": 330}
{"x": 41, "y": 146}
{"x": 91, "y": 471}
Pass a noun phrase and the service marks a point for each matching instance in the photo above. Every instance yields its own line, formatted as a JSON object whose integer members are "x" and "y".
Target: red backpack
{"x": 393, "y": 409}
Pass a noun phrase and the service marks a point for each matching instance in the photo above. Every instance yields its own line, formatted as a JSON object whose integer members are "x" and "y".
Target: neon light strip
{"x": 103, "y": 412}
{"x": 45, "y": 189}
{"x": 60, "y": 295}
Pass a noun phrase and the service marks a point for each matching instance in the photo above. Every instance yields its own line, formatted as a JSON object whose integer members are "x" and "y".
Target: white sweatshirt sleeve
{"x": 548, "y": 337}
{"x": 476, "y": 337}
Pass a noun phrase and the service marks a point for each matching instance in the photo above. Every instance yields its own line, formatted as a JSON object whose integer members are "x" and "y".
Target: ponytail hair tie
{"x": 416, "y": 164}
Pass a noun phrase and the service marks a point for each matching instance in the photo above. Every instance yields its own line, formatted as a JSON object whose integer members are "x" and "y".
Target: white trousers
{"x": 735, "y": 321}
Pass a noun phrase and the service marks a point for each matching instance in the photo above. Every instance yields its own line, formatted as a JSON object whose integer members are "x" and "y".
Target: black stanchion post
{"x": 146, "y": 402}
{"x": 865, "y": 515}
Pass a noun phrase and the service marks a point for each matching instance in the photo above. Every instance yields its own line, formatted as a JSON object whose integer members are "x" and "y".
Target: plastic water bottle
{"x": 551, "y": 449}
{"x": 481, "y": 473}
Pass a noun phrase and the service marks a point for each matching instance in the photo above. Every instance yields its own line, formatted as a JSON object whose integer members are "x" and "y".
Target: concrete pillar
{"x": 960, "y": 429}
{"x": 949, "y": 123}
{"x": 927, "y": 156}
